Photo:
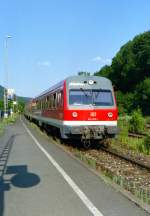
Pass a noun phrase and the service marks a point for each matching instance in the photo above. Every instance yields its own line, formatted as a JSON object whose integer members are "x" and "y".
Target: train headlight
{"x": 74, "y": 114}
{"x": 110, "y": 114}
{"x": 91, "y": 82}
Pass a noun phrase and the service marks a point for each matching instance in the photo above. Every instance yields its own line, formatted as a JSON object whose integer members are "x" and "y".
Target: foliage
{"x": 142, "y": 96}
{"x": 137, "y": 122}
{"x": 125, "y": 102}
{"x": 1, "y": 105}
{"x": 1, "y": 92}
{"x": 130, "y": 73}
{"x": 123, "y": 141}
{"x": 123, "y": 125}
{"x": 104, "y": 71}
{"x": 132, "y": 63}
{"x": 3, "y": 123}
{"x": 20, "y": 100}
{"x": 23, "y": 99}
{"x": 148, "y": 120}
{"x": 147, "y": 144}
{"x": 21, "y": 106}
{"x": 15, "y": 108}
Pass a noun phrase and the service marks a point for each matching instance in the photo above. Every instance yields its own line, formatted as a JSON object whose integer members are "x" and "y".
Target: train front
{"x": 90, "y": 110}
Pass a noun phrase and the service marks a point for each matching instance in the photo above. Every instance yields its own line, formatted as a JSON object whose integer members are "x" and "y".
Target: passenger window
{"x": 47, "y": 102}
{"x": 61, "y": 99}
{"x": 55, "y": 100}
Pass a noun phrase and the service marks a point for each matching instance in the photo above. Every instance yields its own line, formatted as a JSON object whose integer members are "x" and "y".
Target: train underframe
{"x": 87, "y": 134}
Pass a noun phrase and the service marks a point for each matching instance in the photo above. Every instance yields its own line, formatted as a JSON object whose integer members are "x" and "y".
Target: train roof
{"x": 89, "y": 81}
{"x": 51, "y": 89}
{"x": 87, "y": 78}
{"x": 102, "y": 82}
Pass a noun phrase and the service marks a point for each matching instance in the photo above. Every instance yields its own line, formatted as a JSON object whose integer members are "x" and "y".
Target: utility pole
{"x": 6, "y": 74}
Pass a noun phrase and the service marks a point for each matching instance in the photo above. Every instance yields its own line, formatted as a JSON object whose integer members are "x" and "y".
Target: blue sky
{"x": 53, "y": 39}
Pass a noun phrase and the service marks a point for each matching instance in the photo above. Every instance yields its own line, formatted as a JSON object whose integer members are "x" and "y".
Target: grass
{"x": 4, "y": 122}
{"x": 147, "y": 119}
{"x": 138, "y": 145}
{"x": 2, "y": 126}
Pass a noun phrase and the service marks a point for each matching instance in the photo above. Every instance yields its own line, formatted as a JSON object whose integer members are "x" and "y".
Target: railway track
{"x": 131, "y": 174}
{"x": 140, "y": 162}
{"x": 129, "y": 158}
{"x": 136, "y": 135}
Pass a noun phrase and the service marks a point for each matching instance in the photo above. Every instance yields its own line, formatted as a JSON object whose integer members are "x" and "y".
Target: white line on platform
{"x": 68, "y": 179}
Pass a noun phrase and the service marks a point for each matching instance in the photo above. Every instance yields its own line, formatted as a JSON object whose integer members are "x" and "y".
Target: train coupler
{"x": 89, "y": 133}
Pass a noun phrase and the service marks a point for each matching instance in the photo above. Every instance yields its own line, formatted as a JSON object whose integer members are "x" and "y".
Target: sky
{"x": 53, "y": 39}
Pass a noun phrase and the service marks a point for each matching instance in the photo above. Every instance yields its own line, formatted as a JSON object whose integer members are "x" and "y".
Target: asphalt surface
{"x": 37, "y": 178}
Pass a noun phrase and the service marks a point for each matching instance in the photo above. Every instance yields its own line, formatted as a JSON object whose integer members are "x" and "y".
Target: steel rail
{"x": 127, "y": 158}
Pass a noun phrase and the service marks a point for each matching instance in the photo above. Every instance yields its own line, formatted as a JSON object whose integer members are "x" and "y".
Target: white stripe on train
{"x": 78, "y": 123}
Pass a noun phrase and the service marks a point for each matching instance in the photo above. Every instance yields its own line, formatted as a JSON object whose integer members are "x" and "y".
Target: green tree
{"x": 21, "y": 106}
{"x": 142, "y": 97}
{"x": 125, "y": 102}
{"x": 104, "y": 71}
{"x": 1, "y": 105}
{"x": 130, "y": 73}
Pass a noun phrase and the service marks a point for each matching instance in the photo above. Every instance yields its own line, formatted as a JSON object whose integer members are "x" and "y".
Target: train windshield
{"x": 94, "y": 97}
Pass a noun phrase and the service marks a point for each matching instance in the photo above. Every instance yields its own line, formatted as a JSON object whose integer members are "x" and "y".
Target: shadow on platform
{"x": 17, "y": 176}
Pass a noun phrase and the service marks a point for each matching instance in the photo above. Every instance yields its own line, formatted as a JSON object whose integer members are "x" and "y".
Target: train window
{"x": 49, "y": 104}
{"x": 51, "y": 97}
{"x": 43, "y": 103}
{"x": 79, "y": 97}
{"x": 38, "y": 104}
{"x": 61, "y": 98}
{"x": 58, "y": 99}
{"x": 55, "y": 100}
{"x": 47, "y": 101}
{"x": 102, "y": 98}
{"x": 90, "y": 96}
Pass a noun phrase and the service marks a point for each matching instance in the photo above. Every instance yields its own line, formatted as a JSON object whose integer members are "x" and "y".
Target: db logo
{"x": 93, "y": 114}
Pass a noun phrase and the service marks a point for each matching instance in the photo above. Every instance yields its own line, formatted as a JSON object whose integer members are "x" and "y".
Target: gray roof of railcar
{"x": 101, "y": 82}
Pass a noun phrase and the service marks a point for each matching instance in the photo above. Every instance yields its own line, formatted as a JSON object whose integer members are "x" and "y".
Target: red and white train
{"x": 82, "y": 107}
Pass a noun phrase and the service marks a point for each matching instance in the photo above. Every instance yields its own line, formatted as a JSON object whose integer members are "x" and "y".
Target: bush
{"x": 147, "y": 144}
{"x": 137, "y": 122}
{"x": 148, "y": 120}
{"x": 123, "y": 126}
{"x": 125, "y": 102}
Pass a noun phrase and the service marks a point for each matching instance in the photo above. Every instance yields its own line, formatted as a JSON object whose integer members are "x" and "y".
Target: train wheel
{"x": 86, "y": 144}
{"x": 106, "y": 142}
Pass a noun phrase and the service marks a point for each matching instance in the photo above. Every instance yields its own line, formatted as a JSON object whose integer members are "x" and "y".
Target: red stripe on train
{"x": 91, "y": 115}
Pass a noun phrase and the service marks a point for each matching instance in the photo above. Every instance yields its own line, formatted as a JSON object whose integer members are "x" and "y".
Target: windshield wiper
{"x": 88, "y": 95}
{"x": 84, "y": 92}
